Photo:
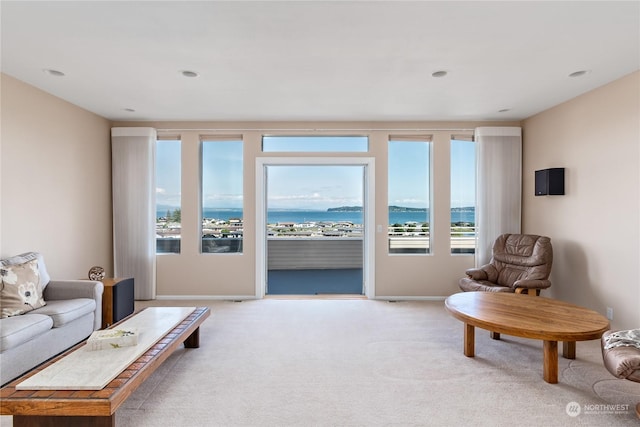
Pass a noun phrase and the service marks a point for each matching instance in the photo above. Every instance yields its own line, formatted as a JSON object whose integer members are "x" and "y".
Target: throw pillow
{"x": 30, "y": 256}
{"x": 20, "y": 289}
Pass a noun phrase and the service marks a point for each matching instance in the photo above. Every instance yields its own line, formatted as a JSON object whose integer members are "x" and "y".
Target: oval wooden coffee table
{"x": 527, "y": 316}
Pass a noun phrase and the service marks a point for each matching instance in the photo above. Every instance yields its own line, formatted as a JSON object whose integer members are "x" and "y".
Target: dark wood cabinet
{"x": 117, "y": 300}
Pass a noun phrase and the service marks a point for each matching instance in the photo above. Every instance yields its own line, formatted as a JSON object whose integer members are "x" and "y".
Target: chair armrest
{"x": 476, "y": 274}
{"x": 623, "y": 361}
{"x": 484, "y": 272}
{"x": 71, "y": 289}
{"x": 531, "y": 284}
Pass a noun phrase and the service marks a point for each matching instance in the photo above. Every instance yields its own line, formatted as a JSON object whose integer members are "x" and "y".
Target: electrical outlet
{"x": 609, "y": 313}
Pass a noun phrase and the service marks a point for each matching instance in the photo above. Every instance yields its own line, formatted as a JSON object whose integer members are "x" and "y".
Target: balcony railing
{"x": 296, "y": 249}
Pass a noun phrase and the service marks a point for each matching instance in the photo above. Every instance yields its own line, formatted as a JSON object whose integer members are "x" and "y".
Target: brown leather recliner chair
{"x": 519, "y": 263}
{"x": 622, "y": 358}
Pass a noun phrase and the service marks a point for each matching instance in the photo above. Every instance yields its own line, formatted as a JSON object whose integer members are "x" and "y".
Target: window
{"x": 409, "y": 195}
{"x": 311, "y": 144}
{"x": 463, "y": 195}
{"x": 222, "y": 195}
{"x": 168, "y": 201}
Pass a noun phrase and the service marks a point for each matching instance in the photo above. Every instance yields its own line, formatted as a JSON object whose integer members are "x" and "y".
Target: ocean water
{"x": 299, "y": 216}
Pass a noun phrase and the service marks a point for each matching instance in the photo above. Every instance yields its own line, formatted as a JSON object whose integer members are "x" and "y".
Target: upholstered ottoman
{"x": 621, "y": 355}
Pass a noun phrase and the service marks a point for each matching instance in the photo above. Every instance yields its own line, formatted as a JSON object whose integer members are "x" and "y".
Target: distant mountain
{"x": 346, "y": 209}
{"x": 405, "y": 209}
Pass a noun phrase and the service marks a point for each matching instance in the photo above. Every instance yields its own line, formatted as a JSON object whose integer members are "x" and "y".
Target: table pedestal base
{"x": 550, "y": 361}
{"x": 539, "y": 318}
{"x": 549, "y": 353}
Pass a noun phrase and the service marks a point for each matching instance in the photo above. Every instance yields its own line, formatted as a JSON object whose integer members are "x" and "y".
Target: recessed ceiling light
{"x": 129, "y": 110}
{"x": 440, "y": 73}
{"x": 579, "y": 73}
{"x": 188, "y": 73}
{"x": 53, "y": 72}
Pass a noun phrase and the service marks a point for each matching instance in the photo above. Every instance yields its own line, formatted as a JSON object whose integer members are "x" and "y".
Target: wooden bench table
{"x": 526, "y": 316}
{"x": 72, "y": 408}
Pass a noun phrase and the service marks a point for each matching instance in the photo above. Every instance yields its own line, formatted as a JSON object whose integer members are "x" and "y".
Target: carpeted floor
{"x": 358, "y": 362}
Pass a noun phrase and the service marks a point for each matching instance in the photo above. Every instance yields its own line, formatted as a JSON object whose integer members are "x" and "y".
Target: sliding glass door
{"x": 314, "y": 229}
{"x": 314, "y": 221}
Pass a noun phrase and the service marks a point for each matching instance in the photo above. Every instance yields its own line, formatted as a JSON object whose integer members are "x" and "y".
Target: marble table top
{"x": 84, "y": 369}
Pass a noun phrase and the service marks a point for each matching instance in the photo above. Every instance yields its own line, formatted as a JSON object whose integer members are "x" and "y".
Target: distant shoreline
{"x": 458, "y": 216}
{"x": 393, "y": 208}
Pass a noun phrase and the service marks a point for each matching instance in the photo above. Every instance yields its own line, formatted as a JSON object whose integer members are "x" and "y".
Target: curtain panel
{"x": 499, "y": 186}
{"x": 133, "y": 188}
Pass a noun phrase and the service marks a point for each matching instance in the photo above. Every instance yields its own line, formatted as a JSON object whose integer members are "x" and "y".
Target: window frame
{"x": 235, "y": 245}
{"x": 472, "y": 251}
{"x": 266, "y": 137}
{"x": 159, "y": 139}
{"x": 428, "y": 250}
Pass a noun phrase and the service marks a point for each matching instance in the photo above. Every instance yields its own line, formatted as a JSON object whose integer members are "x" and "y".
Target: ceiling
{"x": 312, "y": 60}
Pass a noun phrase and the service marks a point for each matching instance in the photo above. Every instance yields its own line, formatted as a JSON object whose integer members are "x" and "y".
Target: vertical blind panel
{"x": 133, "y": 172}
{"x": 499, "y": 187}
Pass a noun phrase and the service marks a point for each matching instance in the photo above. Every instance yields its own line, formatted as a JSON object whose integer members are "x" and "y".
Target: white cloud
{"x": 311, "y": 201}
{"x": 222, "y": 197}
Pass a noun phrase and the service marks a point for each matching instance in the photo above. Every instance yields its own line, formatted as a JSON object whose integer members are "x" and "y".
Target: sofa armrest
{"x": 70, "y": 289}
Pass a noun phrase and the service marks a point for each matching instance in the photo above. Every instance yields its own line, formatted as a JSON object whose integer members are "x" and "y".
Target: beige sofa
{"x": 72, "y": 310}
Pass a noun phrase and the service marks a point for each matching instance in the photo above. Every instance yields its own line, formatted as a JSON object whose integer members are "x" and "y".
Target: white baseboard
{"x": 251, "y": 297}
{"x": 205, "y": 297}
{"x": 410, "y": 298}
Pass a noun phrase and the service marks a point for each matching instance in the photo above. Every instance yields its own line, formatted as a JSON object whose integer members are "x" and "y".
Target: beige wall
{"x": 55, "y": 181}
{"x": 594, "y": 227}
{"x": 56, "y": 198}
{"x": 193, "y": 274}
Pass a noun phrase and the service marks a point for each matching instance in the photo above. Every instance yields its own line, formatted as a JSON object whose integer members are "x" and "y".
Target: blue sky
{"x": 168, "y": 171}
{"x": 409, "y": 174}
{"x": 314, "y": 187}
{"x": 463, "y": 174}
